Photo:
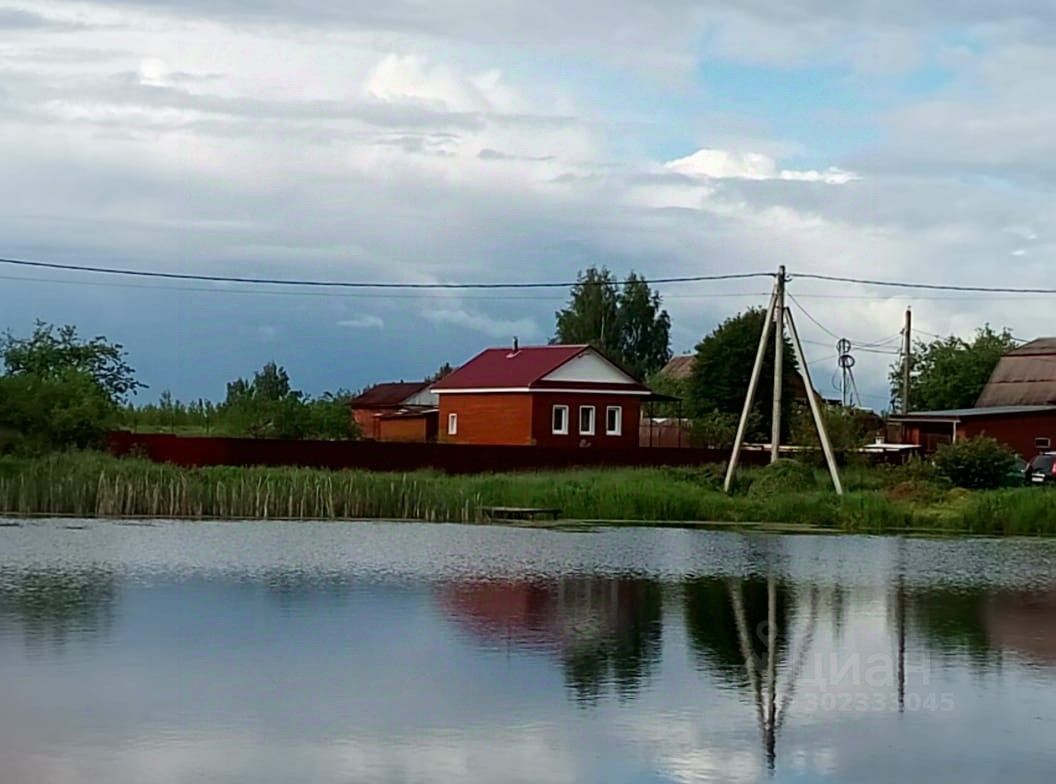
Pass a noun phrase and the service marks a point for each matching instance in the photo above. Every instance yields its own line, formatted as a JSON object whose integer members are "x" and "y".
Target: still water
{"x": 302, "y": 652}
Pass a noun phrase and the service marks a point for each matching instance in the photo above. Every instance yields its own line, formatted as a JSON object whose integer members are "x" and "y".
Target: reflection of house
{"x": 401, "y": 411}
{"x": 548, "y": 395}
{"x": 1024, "y": 623}
{"x": 602, "y": 629}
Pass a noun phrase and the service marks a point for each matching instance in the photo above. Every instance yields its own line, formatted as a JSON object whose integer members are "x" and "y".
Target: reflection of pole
{"x": 749, "y": 398}
{"x": 900, "y": 614}
{"x": 737, "y": 600}
{"x": 801, "y": 658}
{"x": 771, "y": 670}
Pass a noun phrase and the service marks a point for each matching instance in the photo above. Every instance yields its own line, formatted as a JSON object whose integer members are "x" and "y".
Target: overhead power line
{"x": 929, "y": 286}
{"x": 352, "y": 284}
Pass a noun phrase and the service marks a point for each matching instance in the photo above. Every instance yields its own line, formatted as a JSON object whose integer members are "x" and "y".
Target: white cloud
{"x": 365, "y": 321}
{"x": 724, "y": 164}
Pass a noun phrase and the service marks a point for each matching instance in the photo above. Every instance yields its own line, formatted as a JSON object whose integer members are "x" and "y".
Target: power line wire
{"x": 928, "y": 286}
{"x": 352, "y": 284}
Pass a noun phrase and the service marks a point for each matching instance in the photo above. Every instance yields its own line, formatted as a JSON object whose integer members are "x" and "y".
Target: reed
{"x": 89, "y": 484}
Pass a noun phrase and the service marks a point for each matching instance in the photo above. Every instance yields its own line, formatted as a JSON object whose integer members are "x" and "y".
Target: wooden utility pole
{"x": 815, "y": 409}
{"x": 777, "y": 300}
{"x": 907, "y": 359}
{"x": 749, "y": 398}
{"x": 779, "y": 365}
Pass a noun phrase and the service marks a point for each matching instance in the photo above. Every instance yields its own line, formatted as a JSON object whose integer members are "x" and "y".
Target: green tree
{"x": 643, "y": 328}
{"x": 266, "y": 407}
{"x": 444, "y": 370}
{"x": 54, "y": 352}
{"x": 627, "y": 324}
{"x": 950, "y": 372}
{"x": 62, "y": 410}
{"x": 592, "y": 315}
{"x": 723, "y": 368}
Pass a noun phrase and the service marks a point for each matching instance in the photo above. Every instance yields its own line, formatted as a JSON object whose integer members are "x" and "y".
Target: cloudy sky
{"x": 452, "y": 141}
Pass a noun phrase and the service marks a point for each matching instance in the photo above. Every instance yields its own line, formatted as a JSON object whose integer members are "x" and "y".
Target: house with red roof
{"x": 396, "y": 411}
{"x": 541, "y": 395}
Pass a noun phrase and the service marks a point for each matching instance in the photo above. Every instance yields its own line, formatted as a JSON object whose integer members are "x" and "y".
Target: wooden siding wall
{"x": 500, "y": 418}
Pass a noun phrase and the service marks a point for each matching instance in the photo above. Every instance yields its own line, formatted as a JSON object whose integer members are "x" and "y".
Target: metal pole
{"x": 779, "y": 367}
{"x": 749, "y": 399}
{"x": 907, "y": 359}
{"x": 815, "y": 410}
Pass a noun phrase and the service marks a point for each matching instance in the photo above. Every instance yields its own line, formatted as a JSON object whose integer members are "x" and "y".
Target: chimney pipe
{"x": 515, "y": 345}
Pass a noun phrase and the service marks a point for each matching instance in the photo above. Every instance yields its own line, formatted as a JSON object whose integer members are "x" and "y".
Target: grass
{"x": 95, "y": 485}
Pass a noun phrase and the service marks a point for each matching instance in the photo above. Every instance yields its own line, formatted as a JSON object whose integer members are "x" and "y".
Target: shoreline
{"x": 559, "y": 525}
{"x": 93, "y": 485}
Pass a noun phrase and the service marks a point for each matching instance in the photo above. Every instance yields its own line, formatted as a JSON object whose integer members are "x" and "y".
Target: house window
{"x": 560, "y": 420}
{"x": 1042, "y": 443}
{"x": 586, "y": 420}
{"x": 452, "y": 424}
{"x": 614, "y": 421}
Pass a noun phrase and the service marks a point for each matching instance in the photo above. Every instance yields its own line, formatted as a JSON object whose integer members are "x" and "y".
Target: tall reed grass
{"x": 89, "y": 484}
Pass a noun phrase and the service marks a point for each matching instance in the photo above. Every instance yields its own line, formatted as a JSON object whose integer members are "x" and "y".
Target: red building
{"x": 1026, "y": 429}
{"x": 547, "y": 395}
{"x": 395, "y": 411}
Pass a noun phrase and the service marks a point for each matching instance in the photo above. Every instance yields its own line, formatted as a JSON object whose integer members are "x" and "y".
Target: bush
{"x": 976, "y": 463}
{"x": 783, "y": 476}
{"x": 714, "y": 431}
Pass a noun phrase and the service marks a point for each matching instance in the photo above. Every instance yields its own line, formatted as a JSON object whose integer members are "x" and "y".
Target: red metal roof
{"x": 387, "y": 395}
{"x": 504, "y": 368}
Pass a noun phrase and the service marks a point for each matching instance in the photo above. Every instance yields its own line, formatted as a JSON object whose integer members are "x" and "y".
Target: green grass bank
{"x": 91, "y": 484}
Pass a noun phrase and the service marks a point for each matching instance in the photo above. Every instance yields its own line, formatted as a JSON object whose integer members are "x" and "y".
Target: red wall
{"x": 1017, "y": 431}
{"x": 381, "y": 456}
{"x": 499, "y": 418}
{"x": 542, "y": 420}
{"x": 414, "y": 429}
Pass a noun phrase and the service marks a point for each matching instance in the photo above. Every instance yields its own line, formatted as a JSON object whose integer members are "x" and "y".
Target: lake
{"x": 375, "y": 652}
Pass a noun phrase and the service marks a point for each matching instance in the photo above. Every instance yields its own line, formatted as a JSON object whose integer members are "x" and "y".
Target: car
{"x": 1041, "y": 470}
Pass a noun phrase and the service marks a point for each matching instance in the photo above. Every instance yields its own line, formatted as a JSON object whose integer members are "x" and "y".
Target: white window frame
{"x": 618, "y": 430}
{"x": 563, "y": 430}
{"x": 452, "y": 424}
{"x": 593, "y": 420}
{"x": 1041, "y": 442}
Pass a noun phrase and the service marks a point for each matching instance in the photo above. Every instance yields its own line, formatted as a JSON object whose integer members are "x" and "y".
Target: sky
{"x": 459, "y": 141}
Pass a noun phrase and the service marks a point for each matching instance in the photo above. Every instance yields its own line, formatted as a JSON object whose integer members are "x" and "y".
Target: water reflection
{"x": 336, "y": 654}
{"x": 604, "y": 631}
{"x": 54, "y": 606}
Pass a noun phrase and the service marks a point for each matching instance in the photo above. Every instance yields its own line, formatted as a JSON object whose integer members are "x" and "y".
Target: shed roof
{"x": 387, "y": 395}
{"x": 1023, "y": 376}
{"x": 680, "y": 367}
{"x": 520, "y": 368}
{"x": 952, "y": 414}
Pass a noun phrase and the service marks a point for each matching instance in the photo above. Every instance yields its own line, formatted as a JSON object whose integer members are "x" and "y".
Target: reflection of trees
{"x": 605, "y": 631}
{"x": 952, "y": 621}
{"x": 53, "y": 604}
{"x": 711, "y": 624}
{"x": 623, "y": 630}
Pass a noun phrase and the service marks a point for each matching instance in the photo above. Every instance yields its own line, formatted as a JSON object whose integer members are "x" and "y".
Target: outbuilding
{"x": 1027, "y": 429}
{"x": 372, "y": 407}
{"x": 556, "y": 395}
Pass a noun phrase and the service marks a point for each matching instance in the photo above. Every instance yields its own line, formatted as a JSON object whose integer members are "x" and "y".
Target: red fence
{"x": 384, "y": 456}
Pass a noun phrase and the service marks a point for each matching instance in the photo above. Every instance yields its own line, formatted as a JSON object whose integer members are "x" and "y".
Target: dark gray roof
{"x": 1024, "y": 376}
{"x": 968, "y": 413}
